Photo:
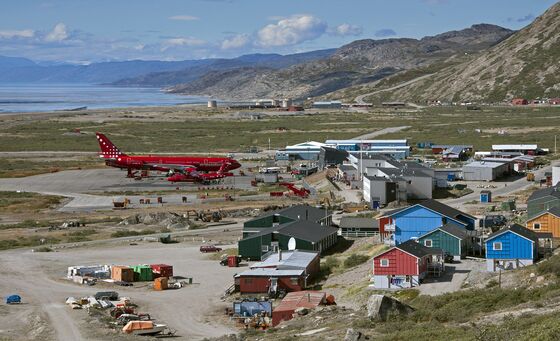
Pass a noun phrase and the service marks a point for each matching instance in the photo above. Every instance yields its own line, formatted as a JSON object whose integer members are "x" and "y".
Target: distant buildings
{"x": 397, "y": 149}
{"x": 327, "y": 105}
{"x": 354, "y": 227}
{"x": 302, "y": 151}
{"x": 486, "y": 171}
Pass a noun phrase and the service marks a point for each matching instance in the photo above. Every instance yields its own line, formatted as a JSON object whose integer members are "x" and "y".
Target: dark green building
{"x": 542, "y": 200}
{"x": 306, "y": 235}
{"x": 286, "y": 215}
{"x": 450, "y": 238}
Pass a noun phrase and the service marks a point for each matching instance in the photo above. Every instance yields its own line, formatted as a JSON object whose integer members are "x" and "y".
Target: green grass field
{"x": 439, "y": 125}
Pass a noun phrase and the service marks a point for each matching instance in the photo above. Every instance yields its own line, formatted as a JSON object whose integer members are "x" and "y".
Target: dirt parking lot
{"x": 38, "y": 277}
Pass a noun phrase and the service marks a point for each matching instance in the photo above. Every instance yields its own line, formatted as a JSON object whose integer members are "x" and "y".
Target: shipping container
{"x": 162, "y": 270}
{"x": 161, "y": 283}
{"x": 143, "y": 273}
{"x": 122, "y": 273}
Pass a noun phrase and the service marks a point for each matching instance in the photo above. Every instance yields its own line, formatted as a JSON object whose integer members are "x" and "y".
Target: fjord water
{"x": 51, "y": 97}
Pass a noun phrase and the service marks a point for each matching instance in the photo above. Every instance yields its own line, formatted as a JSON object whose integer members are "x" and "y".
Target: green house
{"x": 306, "y": 235}
{"x": 543, "y": 200}
{"x": 273, "y": 219}
{"x": 450, "y": 238}
{"x": 143, "y": 273}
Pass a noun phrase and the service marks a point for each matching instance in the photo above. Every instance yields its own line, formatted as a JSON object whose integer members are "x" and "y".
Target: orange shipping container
{"x": 160, "y": 283}
{"x": 122, "y": 273}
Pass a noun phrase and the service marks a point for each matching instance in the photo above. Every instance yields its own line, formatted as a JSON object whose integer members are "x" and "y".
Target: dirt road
{"x": 37, "y": 277}
{"x": 380, "y": 132}
{"x": 360, "y": 99}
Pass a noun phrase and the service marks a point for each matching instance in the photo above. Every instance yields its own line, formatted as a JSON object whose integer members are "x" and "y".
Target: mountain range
{"x": 480, "y": 63}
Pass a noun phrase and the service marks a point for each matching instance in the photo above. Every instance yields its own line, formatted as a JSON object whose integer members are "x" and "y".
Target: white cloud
{"x": 347, "y": 30}
{"x": 235, "y": 42}
{"x": 183, "y": 17}
{"x": 58, "y": 33}
{"x": 184, "y": 41}
{"x": 290, "y": 31}
{"x": 11, "y": 34}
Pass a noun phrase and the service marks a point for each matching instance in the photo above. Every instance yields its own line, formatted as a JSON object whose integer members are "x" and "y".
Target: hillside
{"x": 359, "y": 62}
{"x": 524, "y": 65}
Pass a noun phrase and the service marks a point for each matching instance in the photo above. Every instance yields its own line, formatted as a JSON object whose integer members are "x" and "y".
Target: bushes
{"x": 355, "y": 260}
{"x": 128, "y": 233}
{"x": 550, "y": 266}
{"x": 329, "y": 265}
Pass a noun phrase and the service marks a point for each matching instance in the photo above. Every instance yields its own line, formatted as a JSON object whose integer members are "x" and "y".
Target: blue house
{"x": 511, "y": 248}
{"x": 415, "y": 221}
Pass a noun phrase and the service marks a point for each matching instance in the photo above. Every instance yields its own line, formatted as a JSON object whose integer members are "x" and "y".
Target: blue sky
{"x": 85, "y": 31}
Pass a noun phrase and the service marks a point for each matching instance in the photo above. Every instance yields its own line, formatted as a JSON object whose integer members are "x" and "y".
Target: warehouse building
{"x": 330, "y": 157}
{"x": 486, "y": 171}
{"x": 286, "y": 215}
{"x": 527, "y": 149}
{"x": 303, "y": 151}
{"x": 327, "y": 105}
{"x": 280, "y": 271}
{"x": 397, "y": 149}
{"x": 299, "y": 234}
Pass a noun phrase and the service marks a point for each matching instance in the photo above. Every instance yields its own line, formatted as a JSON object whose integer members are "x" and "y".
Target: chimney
{"x": 279, "y": 254}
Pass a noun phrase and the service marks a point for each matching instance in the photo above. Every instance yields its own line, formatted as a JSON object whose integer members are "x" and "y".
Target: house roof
{"x": 306, "y": 230}
{"x": 517, "y": 229}
{"x": 404, "y": 171}
{"x": 416, "y": 249}
{"x": 268, "y": 272}
{"x": 450, "y": 229}
{"x": 541, "y": 193}
{"x": 347, "y": 222}
{"x": 544, "y": 235}
{"x": 297, "y": 259}
{"x": 444, "y": 209}
{"x": 484, "y": 164}
{"x": 307, "y": 299}
{"x": 299, "y": 212}
{"x": 553, "y": 210}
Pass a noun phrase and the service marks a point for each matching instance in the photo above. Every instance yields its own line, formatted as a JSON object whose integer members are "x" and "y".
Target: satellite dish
{"x": 292, "y": 244}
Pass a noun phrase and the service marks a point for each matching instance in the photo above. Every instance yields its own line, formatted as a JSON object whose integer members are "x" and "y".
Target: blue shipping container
{"x": 250, "y": 308}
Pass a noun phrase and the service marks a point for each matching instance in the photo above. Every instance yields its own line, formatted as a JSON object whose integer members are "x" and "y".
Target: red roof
{"x": 306, "y": 299}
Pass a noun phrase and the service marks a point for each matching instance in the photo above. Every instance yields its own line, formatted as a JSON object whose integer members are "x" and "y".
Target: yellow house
{"x": 546, "y": 221}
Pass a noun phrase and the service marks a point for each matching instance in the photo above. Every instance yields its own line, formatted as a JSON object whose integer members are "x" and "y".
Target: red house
{"x": 405, "y": 265}
{"x": 519, "y": 101}
{"x": 286, "y": 270}
{"x": 306, "y": 299}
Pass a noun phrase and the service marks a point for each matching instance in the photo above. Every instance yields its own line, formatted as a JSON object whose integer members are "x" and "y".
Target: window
{"x": 428, "y": 243}
{"x": 384, "y": 262}
{"x": 264, "y": 248}
{"x": 536, "y": 226}
{"x": 294, "y": 280}
{"x": 497, "y": 246}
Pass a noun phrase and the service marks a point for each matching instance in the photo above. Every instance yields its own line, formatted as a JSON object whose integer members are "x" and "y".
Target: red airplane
{"x": 188, "y": 168}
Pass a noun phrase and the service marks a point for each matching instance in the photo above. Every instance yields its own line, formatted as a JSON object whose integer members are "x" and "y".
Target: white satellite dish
{"x": 292, "y": 244}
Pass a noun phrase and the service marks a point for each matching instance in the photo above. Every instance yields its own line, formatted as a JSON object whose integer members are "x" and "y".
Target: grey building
{"x": 485, "y": 171}
{"x": 354, "y": 227}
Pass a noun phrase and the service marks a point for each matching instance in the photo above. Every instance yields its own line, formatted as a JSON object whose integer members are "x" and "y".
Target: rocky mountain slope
{"x": 527, "y": 64}
{"x": 359, "y": 62}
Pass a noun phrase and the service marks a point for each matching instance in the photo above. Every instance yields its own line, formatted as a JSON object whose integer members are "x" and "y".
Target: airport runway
{"x": 83, "y": 185}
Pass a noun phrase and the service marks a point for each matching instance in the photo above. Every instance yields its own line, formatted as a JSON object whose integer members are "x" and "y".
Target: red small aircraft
{"x": 185, "y": 168}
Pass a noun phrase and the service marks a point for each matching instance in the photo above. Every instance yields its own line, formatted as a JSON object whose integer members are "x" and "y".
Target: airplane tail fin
{"x": 108, "y": 149}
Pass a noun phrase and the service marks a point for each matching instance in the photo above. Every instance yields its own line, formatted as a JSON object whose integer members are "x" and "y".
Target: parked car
{"x": 210, "y": 248}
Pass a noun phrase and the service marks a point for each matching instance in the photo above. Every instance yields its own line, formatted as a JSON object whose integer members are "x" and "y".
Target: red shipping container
{"x": 162, "y": 270}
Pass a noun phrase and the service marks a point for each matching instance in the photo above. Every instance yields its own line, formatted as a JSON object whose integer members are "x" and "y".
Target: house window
{"x": 497, "y": 246}
{"x": 536, "y": 226}
{"x": 264, "y": 248}
{"x": 384, "y": 262}
{"x": 428, "y": 243}
{"x": 294, "y": 280}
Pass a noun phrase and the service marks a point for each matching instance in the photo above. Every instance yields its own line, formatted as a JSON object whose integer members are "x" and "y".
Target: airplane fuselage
{"x": 161, "y": 163}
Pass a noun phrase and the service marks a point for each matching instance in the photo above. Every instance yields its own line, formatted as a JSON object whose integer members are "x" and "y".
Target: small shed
{"x": 248, "y": 308}
{"x": 485, "y": 196}
{"x": 293, "y": 300}
{"x": 511, "y": 248}
{"x": 449, "y": 238}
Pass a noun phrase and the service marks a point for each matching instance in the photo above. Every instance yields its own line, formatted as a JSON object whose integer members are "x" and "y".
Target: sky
{"x": 85, "y": 31}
